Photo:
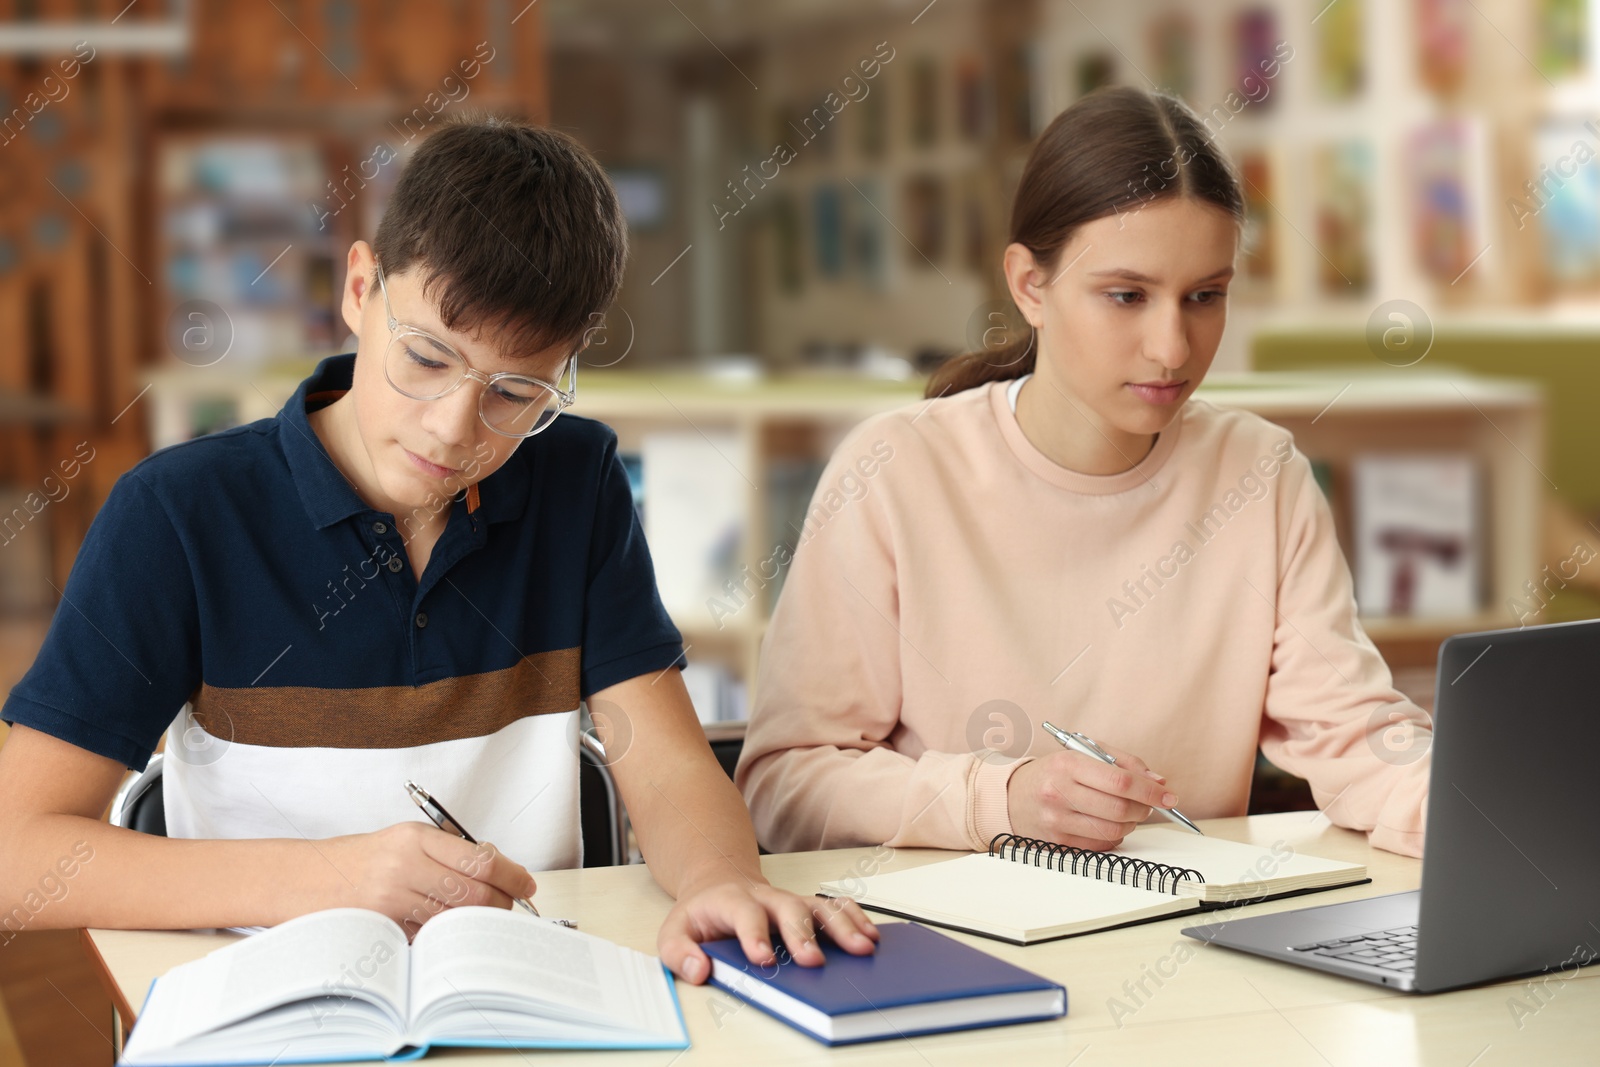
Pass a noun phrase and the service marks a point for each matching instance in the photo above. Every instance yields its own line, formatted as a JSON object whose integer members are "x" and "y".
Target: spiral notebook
{"x": 1024, "y": 891}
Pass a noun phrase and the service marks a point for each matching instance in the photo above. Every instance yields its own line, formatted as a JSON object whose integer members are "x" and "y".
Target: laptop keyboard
{"x": 1392, "y": 950}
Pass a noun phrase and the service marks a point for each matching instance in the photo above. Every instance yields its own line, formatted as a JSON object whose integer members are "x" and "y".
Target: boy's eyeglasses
{"x": 423, "y": 367}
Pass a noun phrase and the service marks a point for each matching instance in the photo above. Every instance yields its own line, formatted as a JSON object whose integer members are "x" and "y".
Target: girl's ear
{"x": 1027, "y": 282}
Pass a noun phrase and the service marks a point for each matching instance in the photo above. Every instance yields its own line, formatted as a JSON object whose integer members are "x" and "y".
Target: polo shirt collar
{"x": 326, "y": 493}
{"x": 503, "y": 496}
{"x": 329, "y": 497}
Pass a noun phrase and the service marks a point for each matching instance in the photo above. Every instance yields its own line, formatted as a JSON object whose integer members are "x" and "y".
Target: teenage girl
{"x": 1062, "y": 533}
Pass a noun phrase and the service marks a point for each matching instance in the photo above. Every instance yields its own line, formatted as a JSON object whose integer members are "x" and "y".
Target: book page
{"x": 342, "y": 952}
{"x": 475, "y": 963}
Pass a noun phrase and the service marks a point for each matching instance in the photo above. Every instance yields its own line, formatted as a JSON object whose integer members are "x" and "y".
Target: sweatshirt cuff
{"x": 1392, "y": 839}
{"x": 991, "y": 814}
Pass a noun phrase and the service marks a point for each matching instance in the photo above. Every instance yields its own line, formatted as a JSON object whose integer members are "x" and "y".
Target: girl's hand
{"x": 412, "y": 872}
{"x": 749, "y": 911}
{"x": 1073, "y": 799}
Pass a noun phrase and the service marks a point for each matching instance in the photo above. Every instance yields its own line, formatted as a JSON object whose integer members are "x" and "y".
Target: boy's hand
{"x": 749, "y": 910}
{"x": 412, "y": 872}
{"x": 1073, "y": 799}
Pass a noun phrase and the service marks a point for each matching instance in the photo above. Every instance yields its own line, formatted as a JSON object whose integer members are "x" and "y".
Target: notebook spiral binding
{"x": 1104, "y": 866}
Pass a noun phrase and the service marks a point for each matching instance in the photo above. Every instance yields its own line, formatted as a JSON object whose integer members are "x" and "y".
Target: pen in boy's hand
{"x": 446, "y": 822}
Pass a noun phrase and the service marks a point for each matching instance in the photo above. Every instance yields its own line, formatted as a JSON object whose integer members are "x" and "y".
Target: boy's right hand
{"x": 412, "y": 871}
{"x": 1073, "y": 799}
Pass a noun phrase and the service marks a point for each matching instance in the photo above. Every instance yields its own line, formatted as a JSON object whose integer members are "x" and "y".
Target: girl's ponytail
{"x": 999, "y": 363}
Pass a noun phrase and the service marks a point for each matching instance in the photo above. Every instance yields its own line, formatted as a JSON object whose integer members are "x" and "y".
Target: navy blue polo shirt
{"x": 241, "y": 573}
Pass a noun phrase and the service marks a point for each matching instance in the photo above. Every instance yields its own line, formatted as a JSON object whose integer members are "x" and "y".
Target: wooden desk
{"x": 1213, "y": 1007}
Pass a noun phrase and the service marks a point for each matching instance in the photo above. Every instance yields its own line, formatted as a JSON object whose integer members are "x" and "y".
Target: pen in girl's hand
{"x": 1080, "y": 743}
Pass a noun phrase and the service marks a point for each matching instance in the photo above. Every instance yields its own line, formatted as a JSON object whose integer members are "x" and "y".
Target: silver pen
{"x": 1080, "y": 743}
{"x": 446, "y": 822}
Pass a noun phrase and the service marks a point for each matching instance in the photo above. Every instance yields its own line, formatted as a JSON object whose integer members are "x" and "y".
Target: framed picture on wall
{"x": 817, "y": 121}
{"x": 642, "y": 193}
{"x": 974, "y": 224}
{"x": 1258, "y": 247}
{"x": 972, "y": 103}
{"x": 1093, "y": 70}
{"x": 1442, "y": 42}
{"x": 827, "y": 230}
{"x": 867, "y": 233}
{"x": 1172, "y": 42}
{"x": 1255, "y": 33}
{"x": 1014, "y": 93}
{"x": 924, "y": 102}
{"x": 924, "y": 200}
{"x": 1440, "y": 164}
{"x": 872, "y": 124}
{"x": 1568, "y": 220}
{"x": 1563, "y": 37}
{"x": 1342, "y": 180}
{"x": 1341, "y": 61}
{"x": 788, "y": 263}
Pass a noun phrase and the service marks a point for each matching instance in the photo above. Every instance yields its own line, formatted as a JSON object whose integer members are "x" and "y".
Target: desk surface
{"x": 1145, "y": 994}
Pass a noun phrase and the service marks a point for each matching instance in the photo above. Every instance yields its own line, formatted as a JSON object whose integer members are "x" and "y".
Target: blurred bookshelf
{"x": 176, "y": 182}
{"x": 238, "y": 229}
{"x": 225, "y": 155}
{"x": 1379, "y": 158}
{"x": 1496, "y": 426}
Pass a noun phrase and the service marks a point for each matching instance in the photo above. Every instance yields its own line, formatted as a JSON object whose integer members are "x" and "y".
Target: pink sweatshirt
{"x": 954, "y": 587}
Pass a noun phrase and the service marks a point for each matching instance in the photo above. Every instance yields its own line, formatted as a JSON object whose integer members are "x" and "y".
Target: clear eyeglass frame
{"x": 563, "y": 398}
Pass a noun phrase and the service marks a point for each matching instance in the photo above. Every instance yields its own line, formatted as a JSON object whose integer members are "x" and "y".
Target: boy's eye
{"x": 423, "y": 361}
{"x": 515, "y": 393}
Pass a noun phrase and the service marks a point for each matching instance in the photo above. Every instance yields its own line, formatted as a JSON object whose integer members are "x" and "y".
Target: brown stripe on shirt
{"x": 395, "y": 716}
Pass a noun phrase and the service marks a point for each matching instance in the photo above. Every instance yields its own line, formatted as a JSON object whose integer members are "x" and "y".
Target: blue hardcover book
{"x": 918, "y": 982}
{"x": 343, "y": 984}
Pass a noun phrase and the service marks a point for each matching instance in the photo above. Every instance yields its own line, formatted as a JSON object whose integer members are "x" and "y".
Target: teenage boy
{"x": 390, "y": 581}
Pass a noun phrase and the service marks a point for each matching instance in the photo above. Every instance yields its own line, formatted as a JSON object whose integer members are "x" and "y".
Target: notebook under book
{"x": 1023, "y": 890}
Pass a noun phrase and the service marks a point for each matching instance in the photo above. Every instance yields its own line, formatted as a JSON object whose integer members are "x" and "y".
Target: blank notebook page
{"x": 1232, "y": 869}
{"x": 988, "y": 892}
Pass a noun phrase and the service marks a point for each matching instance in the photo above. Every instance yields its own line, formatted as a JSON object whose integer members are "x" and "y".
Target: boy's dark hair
{"x": 516, "y": 231}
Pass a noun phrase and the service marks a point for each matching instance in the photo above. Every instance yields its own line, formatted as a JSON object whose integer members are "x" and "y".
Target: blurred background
{"x": 818, "y": 195}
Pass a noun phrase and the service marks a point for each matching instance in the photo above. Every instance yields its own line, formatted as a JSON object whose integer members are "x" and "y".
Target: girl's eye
{"x": 1208, "y": 296}
{"x": 1132, "y": 297}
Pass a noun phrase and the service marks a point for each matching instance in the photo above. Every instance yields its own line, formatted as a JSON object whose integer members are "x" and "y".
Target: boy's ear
{"x": 358, "y": 285}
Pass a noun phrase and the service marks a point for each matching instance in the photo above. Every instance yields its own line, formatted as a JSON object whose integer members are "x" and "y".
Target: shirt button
{"x": 380, "y": 527}
{"x": 395, "y": 564}
{"x": 422, "y": 619}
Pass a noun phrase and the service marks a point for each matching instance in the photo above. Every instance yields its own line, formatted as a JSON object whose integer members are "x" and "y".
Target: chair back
{"x": 140, "y": 803}
{"x": 603, "y": 822}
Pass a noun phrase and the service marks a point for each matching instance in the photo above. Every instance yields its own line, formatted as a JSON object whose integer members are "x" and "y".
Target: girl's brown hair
{"x": 1108, "y": 154}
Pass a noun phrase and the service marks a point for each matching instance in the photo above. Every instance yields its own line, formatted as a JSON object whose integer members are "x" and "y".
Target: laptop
{"x": 1512, "y": 853}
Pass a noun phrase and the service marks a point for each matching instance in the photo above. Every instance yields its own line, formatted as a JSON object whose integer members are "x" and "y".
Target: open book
{"x": 344, "y": 985}
{"x": 1024, "y": 890}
